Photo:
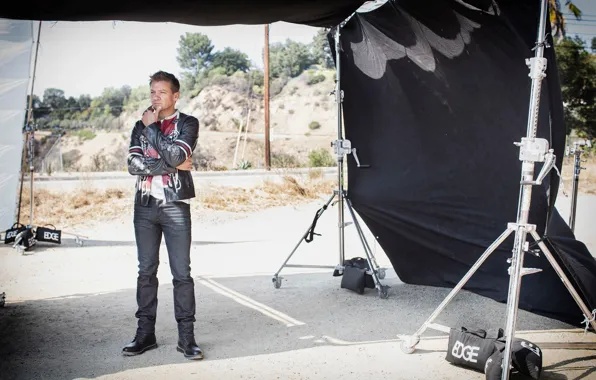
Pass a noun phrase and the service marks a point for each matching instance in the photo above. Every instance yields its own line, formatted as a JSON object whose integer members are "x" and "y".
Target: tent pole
{"x": 28, "y": 131}
{"x": 31, "y": 128}
{"x": 266, "y": 98}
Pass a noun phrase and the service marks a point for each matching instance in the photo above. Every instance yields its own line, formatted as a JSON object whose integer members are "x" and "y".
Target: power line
{"x": 42, "y": 109}
{"x": 581, "y": 34}
{"x": 580, "y": 19}
{"x": 589, "y": 23}
{"x": 582, "y": 15}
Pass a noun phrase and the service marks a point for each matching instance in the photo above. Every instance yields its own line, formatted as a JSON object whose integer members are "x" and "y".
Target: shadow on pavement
{"x": 83, "y": 335}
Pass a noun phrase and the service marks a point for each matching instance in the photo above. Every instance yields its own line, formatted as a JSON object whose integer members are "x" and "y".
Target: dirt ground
{"x": 70, "y": 309}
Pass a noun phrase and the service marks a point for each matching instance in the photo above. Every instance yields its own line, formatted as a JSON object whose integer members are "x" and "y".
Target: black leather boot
{"x": 140, "y": 344}
{"x": 186, "y": 341}
{"x": 189, "y": 348}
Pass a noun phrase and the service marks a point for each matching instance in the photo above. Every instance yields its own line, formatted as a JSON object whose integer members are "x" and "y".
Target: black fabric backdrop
{"x": 436, "y": 94}
{"x": 325, "y": 13}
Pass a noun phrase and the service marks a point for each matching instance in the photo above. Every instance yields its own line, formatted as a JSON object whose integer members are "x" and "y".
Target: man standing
{"x": 160, "y": 151}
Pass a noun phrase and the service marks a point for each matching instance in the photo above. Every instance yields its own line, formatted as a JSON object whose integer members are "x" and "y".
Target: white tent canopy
{"x": 16, "y": 39}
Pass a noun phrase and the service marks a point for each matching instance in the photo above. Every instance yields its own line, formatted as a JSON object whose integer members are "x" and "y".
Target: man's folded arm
{"x": 138, "y": 164}
{"x": 174, "y": 152}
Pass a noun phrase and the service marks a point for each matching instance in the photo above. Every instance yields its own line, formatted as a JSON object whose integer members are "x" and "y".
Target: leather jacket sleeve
{"x": 141, "y": 165}
{"x": 174, "y": 152}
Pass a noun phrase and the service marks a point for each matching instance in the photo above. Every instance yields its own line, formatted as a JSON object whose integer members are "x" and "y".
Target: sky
{"x": 86, "y": 57}
{"x": 585, "y": 28}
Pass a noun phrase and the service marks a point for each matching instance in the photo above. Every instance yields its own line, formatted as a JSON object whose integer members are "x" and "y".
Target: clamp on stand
{"x": 343, "y": 147}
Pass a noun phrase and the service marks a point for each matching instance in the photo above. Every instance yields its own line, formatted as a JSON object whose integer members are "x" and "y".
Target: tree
{"x": 230, "y": 60}
{"x": 289, "y": 59}
{"x": 577, "y": 69}
{"x": 84, "y": 102}
{"x": 53, "y": 98}
{"x": 256, "y": 77}
{"x": 72, "y": 108}
{"x": 111, "y": 102}
{"x": 139, "y": 97}
{"x": 194, "y": 52}
{"x": 320, "y": 49}
{"x": 557, "y": 20}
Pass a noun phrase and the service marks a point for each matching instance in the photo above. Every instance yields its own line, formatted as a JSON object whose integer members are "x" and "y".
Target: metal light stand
{"x": 30, "y": 136}
{"x": 532, "y": 150}
{"x": 576, "y": 151}
{"x": 341, "y": 147}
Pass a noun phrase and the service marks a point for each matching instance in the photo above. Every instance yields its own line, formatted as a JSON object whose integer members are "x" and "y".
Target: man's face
{"x": 162, "y": 95}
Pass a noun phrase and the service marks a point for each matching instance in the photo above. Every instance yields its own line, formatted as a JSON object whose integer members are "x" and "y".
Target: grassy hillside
{"x": 303, "y": 118}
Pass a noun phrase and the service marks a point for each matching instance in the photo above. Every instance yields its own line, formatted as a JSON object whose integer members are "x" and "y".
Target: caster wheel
{"x": 276, "y": 282}
{"x": 384, "y": 292}
{"x": 381, "y": 273}
{"x": 408, "y": 344}
{"x": 406, "y": 349}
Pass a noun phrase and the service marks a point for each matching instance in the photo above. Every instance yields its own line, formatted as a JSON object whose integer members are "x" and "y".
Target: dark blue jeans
{"x": 173, "y": 221}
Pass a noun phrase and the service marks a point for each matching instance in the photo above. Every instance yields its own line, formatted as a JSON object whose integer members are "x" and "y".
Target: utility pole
{"x": 266, "y": 98}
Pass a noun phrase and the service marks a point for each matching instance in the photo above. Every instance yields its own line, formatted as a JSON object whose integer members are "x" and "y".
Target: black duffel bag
{"x": 26, "y": 238}
{"x": 526, "y": 358}
{"x": 471, "y": 348}
{"x": 49, "y": 235}
{"x": 11, "y": 234}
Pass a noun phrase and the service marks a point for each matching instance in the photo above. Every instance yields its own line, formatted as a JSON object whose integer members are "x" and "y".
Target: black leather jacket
{"x": 173, "y": 150}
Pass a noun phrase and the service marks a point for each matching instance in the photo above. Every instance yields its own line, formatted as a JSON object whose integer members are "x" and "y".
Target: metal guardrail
{"x": 79, "y": 176}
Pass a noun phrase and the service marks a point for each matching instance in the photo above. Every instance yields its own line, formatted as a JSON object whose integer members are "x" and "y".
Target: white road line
{"x": 248, "y": 302}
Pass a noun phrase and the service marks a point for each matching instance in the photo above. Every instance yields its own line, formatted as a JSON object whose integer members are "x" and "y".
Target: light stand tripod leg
{"x": 409, "y": 343}
{"x": 383, "y": 289}
{"x": 276, "y": 279}
{"x": 373, "y": 264}
{"x": 341, "y": 226}
{"x": 563, "y": 277}
{"x": 373, "y": 261}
